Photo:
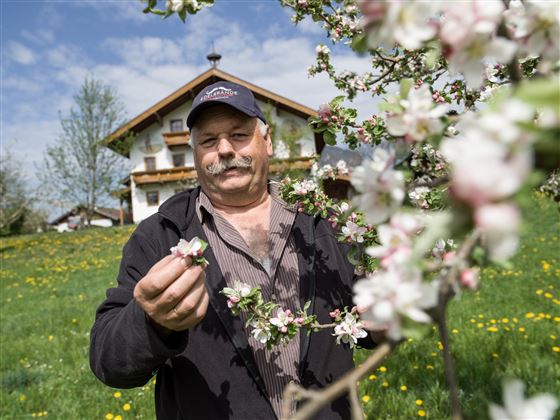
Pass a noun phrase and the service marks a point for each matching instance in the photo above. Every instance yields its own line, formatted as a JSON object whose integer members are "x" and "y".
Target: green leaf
{"x": 329, "y": 137}
{"x": 405, "y": 86}
{"x": 359, "y": 44}
{"x": 389, "y": 107}
{"x": 541, "y": 92}
{"x": 337, "y": 101}
{"x": 183, "y": 14}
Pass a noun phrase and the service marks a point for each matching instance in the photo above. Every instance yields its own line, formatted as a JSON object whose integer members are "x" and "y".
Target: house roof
{"x": 187, "y": 92}
{"x": 113, "y": 214}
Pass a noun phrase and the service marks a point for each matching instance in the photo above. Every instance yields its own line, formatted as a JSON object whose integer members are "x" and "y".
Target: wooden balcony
{"x": 161, "y": 176}
{"x": 176, "y": 139}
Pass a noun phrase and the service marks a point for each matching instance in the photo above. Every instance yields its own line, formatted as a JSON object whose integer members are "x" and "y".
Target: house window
{"x": 176, "y": 125}
{"x": 178, "y": 159}
{"x": 150, "y": 163}
{"x": 152, "y": 198}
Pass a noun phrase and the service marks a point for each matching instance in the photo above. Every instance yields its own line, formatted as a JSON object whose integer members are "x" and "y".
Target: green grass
{"x": 52, "y": 283}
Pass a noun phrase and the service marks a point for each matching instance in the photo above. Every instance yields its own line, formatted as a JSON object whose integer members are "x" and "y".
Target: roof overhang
{"x": 155, "y": 113}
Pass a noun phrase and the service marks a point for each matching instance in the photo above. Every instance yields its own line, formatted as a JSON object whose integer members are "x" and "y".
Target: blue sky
{"x": 49, "y": 47}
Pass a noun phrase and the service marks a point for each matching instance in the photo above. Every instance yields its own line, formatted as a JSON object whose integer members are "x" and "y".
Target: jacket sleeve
{"x": 125, "y": 348}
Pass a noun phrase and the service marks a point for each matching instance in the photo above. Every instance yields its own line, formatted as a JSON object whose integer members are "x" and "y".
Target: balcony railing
{"x": 176, "y": 139}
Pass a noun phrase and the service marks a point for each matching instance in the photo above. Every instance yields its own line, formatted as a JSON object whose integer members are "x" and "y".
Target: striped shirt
{"x": 276, "y": 273}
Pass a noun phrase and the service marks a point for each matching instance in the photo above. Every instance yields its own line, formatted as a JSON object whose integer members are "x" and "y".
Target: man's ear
{"x": 268, "y": 139}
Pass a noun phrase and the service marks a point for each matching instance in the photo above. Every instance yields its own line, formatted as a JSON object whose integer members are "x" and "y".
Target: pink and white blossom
{"x": 237, "y": 292}
{"x": 499, "y": 224}
{"x": 175, "y": 5}
{"x": 385, "y": 297}
{"x": 349, "y": 330}
{"x": 261, "y": 332}
{"x": 535, "y": 26}
{"x": 184, "y": 249}
{"x": 353, "y": 232}
{"x": 304, "y": 187}
{"x": 516, "y": 407}
{"x": 420, "y": 116}
{"x": 396, "y": 240}
{"x": 468, "y": 30}
{"x": 381, "y": 188}
{"x": 484, "y": 170}
{"x": 342, "y": 168}
{"x": 404, "y": 22}
{"x": 282, "y": 319}
{"x": 469, "y": 278}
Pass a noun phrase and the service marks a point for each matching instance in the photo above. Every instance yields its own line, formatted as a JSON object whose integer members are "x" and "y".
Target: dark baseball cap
{"x": 227, "y": 93}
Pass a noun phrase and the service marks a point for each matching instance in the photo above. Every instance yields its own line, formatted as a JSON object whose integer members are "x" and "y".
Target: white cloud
{"x": 20, "y": 53}
{"x": 123, "y": 10}
{"x": 142, "y": 51}
{"x": 64, "y": 55}
{"x": 307, "y": 26}
{"x": 40, "y": 36}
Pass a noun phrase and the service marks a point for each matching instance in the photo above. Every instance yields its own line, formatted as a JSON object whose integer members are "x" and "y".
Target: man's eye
{"x": 208, "y": 142}
{"x": 239, "y": 135}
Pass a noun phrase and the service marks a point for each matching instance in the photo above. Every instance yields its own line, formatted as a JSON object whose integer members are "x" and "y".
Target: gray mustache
{"x": 223, "y": 165}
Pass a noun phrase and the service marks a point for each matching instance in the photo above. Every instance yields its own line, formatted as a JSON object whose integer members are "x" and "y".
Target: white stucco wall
{"x": 140, "y": 208}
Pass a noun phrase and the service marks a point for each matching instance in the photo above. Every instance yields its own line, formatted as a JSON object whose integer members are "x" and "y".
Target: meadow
{"x": 52, "y": 283}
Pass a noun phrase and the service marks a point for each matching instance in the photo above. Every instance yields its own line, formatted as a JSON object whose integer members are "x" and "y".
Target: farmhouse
{"x": 76, "y": 218}
{"x": 160, "y": 152}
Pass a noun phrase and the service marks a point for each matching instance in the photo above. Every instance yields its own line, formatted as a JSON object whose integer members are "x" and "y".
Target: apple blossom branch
{"x": 318, "y": 399}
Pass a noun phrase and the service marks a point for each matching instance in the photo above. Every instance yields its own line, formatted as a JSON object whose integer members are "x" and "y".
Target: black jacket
{"x": 209, "y": 371}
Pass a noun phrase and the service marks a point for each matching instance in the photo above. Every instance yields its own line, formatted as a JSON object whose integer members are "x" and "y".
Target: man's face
{"x": 222, "y": 137}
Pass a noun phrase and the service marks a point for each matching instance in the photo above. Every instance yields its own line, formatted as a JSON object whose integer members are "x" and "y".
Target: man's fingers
{"x": 186, "y": 320}
{"x": 184, "y": 286}
{"x": 158, "y": 280}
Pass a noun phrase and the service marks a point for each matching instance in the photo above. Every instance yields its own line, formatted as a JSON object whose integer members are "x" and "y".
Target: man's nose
{"x": 224, "y": 147}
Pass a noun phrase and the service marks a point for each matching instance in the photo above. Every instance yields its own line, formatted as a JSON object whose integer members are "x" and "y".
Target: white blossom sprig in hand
{"x": 194, "y": 249}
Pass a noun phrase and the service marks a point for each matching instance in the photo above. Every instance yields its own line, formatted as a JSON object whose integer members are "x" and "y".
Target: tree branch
{"x": 318, "y": 399}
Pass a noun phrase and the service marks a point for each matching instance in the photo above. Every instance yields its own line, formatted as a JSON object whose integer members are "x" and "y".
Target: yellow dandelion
{"x": 505, "y": 320}
{"x": 556, "y": 349}
{"x": 109, "y": 416}
{"x": 495, "y": 355}
{"x": 385, "y": 384}
{"x": 421, "y": 413}
{"x": 403, "y": 388}
{"x": 117, "y": 394}
{"x": 118, "y": 417}
{"x": 419, "y": 402}
{"x": 22, "y": 397}
{"x": 382, "y": 369}
{"x": 515, "y": 319}
{"x": 126, "y": 407}
{"x": 366, "y": 398}
{"x": 480, "y": 325}
{"x": 455, "y": 331}
{"x": 372, "y": 377}
{"x": 539, "y": 292}
{"x": 51, "y": 337}
{"x": 429, "y": 367}
{"x": 548, "y": 295}
{"x": 440, "y": 345}
{"x": 472, "y": 320}
{"x": 492, "y": 329}
{"x": 552, "y": 337}
{"x": 529, "y": 315}
{"x": 521, "y": 329}
{"x": 492, "y": 321}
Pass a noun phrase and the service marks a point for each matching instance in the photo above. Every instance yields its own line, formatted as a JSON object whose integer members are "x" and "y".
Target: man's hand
{"x": 173, "y": 294}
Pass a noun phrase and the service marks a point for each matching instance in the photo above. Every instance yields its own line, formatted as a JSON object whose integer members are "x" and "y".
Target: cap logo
{"x": 218, "y": 93}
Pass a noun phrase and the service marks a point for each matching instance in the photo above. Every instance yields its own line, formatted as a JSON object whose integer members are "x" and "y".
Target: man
{"x": 167, "y": 316}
